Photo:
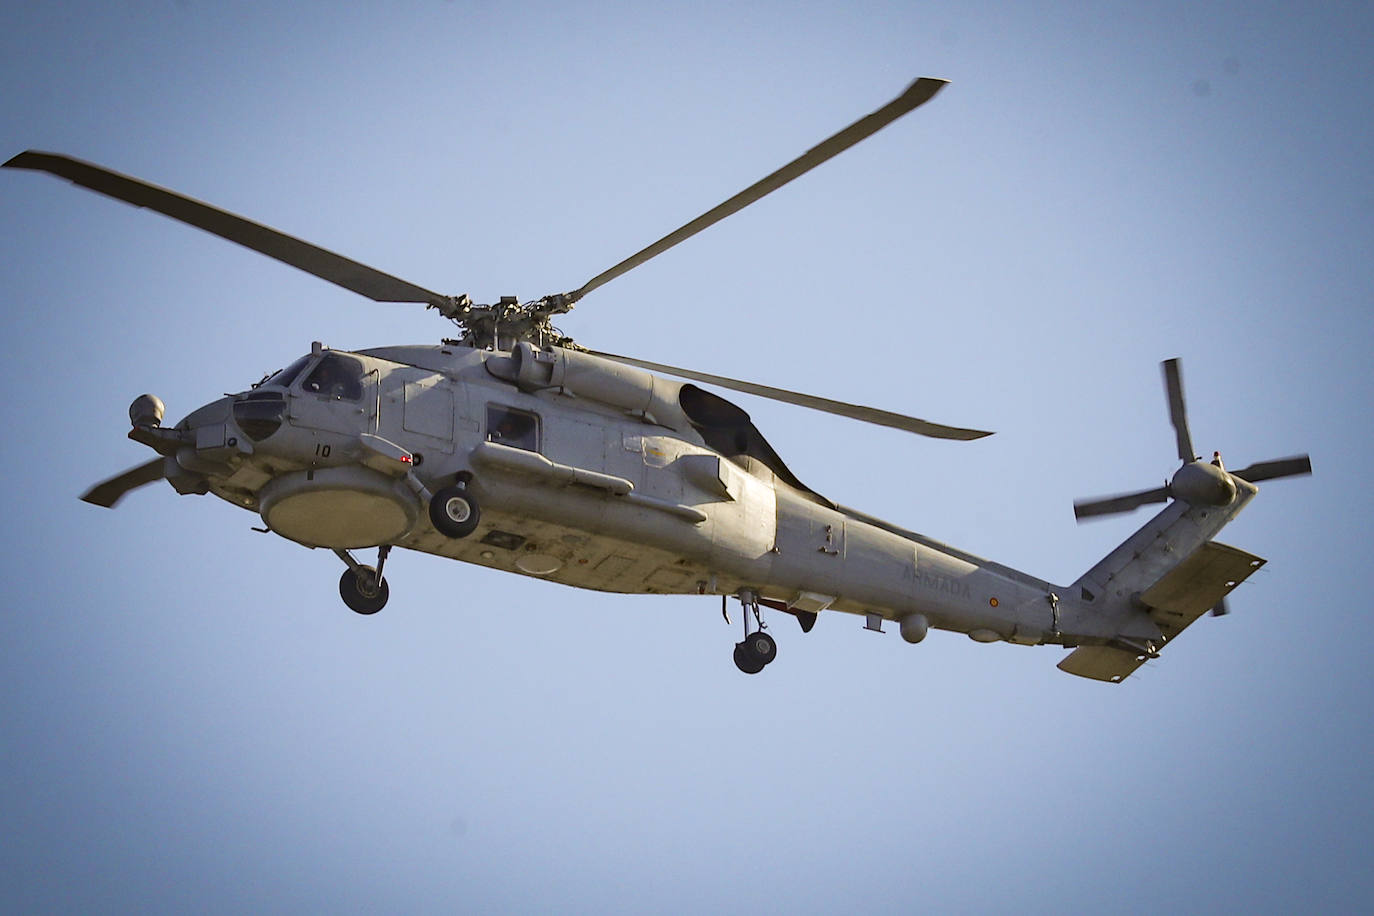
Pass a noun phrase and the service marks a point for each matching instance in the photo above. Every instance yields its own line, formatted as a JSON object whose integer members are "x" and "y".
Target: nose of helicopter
{"x": 228, "y": 421}
{"x": 208, "y": 437}
{"x": 215, "y": 412}
{"x": 259, "y": 413}
{"x": 198, "y": 447}
{"x": 204, "y": 427}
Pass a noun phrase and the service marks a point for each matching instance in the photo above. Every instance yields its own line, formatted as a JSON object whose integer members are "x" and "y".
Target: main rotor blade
{"x": 337, "y": 269}
{"x": 1281, "y": 467}
{"x": 109, "y": 492}
{"x": 918, "y": 93}
{"x": 1178, "y": 413}
{"x": 1123, "y": 503}
{"x": 826, "y": 405}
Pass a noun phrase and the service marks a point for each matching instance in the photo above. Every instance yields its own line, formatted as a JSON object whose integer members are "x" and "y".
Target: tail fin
{"x": 1152, "y": 587}
{"x": 1170, "y": 572}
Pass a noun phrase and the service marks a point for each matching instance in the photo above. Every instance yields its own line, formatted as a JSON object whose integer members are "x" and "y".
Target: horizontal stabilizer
{"x": 1197, "y": 585}
{"x": 1174, "y": 601}
{"x": 1101, "y": 663}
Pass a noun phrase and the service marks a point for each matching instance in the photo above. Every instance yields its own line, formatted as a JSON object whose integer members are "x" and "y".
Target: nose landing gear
{"x": 757, "y": 649}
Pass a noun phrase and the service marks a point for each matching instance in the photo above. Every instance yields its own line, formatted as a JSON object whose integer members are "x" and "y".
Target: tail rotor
{"x": 1196, "y": 482}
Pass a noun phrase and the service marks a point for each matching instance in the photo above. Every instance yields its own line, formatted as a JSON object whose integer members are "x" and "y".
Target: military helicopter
{"x": 513, "y": 447}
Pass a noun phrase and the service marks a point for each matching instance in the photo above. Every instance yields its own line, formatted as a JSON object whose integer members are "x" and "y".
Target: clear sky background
{"x": 190, "y": 720}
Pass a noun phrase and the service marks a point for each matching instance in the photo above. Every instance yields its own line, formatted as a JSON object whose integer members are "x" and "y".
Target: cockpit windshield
{"x": 284, "y": 377}
{"x": 336, "y": 376}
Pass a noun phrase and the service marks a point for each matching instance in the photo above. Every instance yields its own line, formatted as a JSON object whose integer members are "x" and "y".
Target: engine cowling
{"x": 593, "y": 378}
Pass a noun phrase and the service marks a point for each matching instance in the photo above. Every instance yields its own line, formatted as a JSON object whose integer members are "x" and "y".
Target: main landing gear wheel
{"x": 757, "y": 650}
{"x": 362, "y": 591}
{"x": 454, "y": 513}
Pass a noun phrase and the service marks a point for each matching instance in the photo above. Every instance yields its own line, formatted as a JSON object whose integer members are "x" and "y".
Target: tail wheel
{"x": 454, "y": 513}
{"x": 756, "y": 651}
{"x": 363, "y": 591}
{"x": 762, "y": 646}
{"x": 745, "y": 660}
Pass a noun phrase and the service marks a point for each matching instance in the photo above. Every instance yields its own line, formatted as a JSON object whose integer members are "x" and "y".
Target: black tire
{"x": 364, "y": 594}
{"x": 761, "y": 646}
{"x": 454, "y": 513}
{"x": 745, "y": 660}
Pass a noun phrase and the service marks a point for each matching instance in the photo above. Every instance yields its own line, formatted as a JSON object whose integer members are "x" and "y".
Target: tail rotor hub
{"x": 1200, "y": 483}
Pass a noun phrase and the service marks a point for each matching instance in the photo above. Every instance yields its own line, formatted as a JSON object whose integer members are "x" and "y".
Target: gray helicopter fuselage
{"x": 518, "y": 450}
{"x": 589, "y": 473}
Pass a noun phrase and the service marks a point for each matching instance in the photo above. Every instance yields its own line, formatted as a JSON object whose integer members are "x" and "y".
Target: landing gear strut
{"x": 758, "y": 648}
{"x": 361, "y": 587}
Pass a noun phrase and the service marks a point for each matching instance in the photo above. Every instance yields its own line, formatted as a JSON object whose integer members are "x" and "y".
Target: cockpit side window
{"x": 515, "y": 428}
{"x": 336, "y": 377}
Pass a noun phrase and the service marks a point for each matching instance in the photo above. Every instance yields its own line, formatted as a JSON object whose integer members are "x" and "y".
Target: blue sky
{"x": 192, "y": 720}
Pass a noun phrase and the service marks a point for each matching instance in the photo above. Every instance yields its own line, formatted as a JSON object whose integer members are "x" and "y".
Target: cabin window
{"x": 337, "y": 377}
{"x": 515, "y": 428}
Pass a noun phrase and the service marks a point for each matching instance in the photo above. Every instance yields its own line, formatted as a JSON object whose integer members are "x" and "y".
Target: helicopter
{"x": 515, "y": 448}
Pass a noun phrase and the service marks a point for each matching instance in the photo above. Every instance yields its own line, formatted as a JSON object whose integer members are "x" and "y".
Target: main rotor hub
{"x": 508, "y": 322}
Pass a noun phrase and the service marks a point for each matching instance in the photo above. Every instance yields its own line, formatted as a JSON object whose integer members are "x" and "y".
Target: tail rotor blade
{"x": 111, "y": 491}
{"x": 1125, "y": 502}
{"x": 1295, "y": 466}
{"x": 1178, "y": 413}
